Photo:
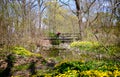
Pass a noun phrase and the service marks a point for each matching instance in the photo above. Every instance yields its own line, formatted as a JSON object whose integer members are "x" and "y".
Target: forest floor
{"x": 47, "y": 60}
{"x": 26, "y": 66}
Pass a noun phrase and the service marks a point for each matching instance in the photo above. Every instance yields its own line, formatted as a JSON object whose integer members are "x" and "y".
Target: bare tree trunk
{"x": 39, "y": 13}
{"x": 24, "y": 11}
{"x": 77, "y": 3}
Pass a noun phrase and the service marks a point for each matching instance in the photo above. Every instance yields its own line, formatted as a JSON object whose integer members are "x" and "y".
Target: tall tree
{"x": 117, "y": 8}
{"x": 78, "y": 11}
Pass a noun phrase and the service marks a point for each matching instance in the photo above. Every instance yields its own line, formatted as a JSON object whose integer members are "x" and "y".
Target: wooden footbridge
{"x": 66, "y": 37}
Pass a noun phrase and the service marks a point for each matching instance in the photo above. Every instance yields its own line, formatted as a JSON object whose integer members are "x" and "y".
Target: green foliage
{"x": 54, "y": 39}
{"x": 21, "y": 67}
{"x": 113, "y": 49}
{"x": 53, "y": 52}
{"x": 52, "y": 35}
{"x": 55, "y": 18}
{"x": 90, "y": 73}
{"x": 65, "y": 66}
{"x": 110, "y": 50}
{"x": 23, "y": 52}
{"x": 85, "y": 69}
{"x": 97, "y": 73}
{"x": 95, "y": 47}
{"x": 70, "y": 73}
{"x": 85, "y": 45}
{"x": 91, "y": 68}
{"x": 91, "y": 65}
{"x": 11, "y": 58}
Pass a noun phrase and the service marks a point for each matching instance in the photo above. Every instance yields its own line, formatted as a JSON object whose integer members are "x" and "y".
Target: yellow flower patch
{"x": 23, "y": 52}
{"x": 97, "y": 73}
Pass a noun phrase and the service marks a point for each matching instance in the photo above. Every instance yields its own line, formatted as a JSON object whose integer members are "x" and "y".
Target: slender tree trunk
{"x": 39, "y": 13}
{"x": 77, "y": 3}
{"x": 24, "y": 32}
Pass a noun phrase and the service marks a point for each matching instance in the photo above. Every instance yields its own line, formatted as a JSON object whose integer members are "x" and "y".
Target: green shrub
{"x": 54, "y": 39}
{"x": 86, "y": 69}
{"x": 23, "y": 52}
{"x": 89, "y": 73}
{"x": 110, "y": 50}
{"x": 54, "y": 52}
{"x": 65, "y": 66}
{"x": 95, "y": 47}
{"x": 85, "y": 45}
{"x": 70, "y": 73}
{"x": 113, "y": 49}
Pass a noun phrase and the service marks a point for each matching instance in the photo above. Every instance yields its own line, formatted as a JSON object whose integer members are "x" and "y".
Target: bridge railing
{"x": 66, "y": 37}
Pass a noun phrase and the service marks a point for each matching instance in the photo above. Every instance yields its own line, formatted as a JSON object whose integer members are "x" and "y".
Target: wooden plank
{"x": 66, "y": 37}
